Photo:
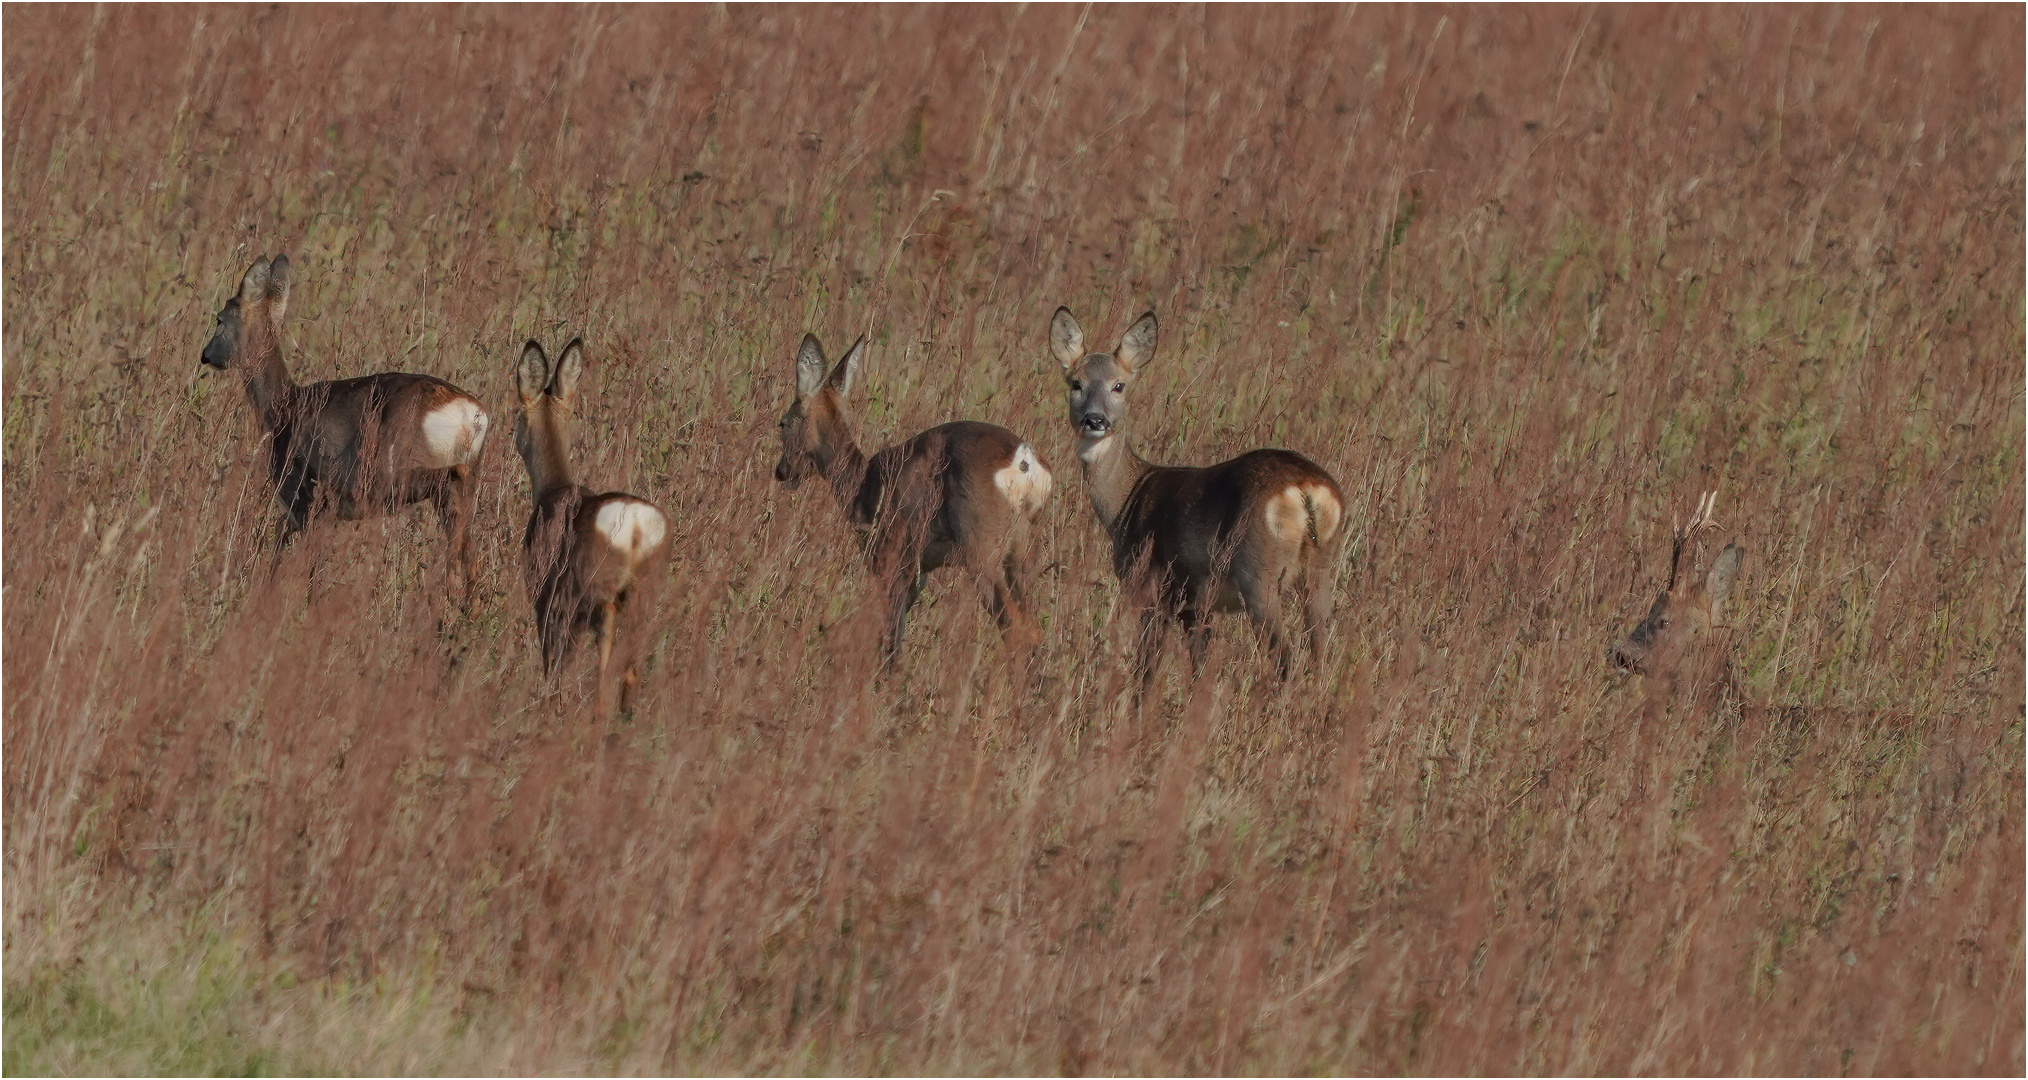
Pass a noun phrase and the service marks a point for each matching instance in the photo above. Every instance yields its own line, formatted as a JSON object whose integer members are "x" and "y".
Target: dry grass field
{"x": 1526, "y": 281}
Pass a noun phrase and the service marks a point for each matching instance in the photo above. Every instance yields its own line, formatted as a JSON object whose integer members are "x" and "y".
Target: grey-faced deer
{"x": 1188, "y": 542}
{"x": 960, "y": 494}
{"x": 591, "y": 560}
{"x": 355, "y": 448}
{"x": 1685, "y": 610}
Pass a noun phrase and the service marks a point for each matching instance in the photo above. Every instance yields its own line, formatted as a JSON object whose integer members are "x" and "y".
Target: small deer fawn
{"x": 1188, "y": 542}
{"x": 959, "y": 494}
{"x": 1684, "y": 610}
{"x": 359, "y": 447}
{"x": 591, "y": 561}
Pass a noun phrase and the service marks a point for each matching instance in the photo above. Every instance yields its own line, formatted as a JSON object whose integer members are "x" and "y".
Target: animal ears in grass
{"x": 809, "y": 367}
{"x": 253, "y": 288}
{"x": 1137, "y": 345}
{"x": 848, "y": 367}
{"x": 1066, "y": 338}
{"x": 569, "y": 369}
{"x": 531, "y": 373}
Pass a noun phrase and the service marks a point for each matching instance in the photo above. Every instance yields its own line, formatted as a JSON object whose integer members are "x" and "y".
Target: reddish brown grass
{"x": 1524, "y": 280}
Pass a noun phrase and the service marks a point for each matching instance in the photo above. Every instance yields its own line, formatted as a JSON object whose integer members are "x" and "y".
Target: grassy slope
{"x": 1524, "y": 281}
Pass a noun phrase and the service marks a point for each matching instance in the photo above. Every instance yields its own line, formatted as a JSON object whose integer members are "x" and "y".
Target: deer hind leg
{"x": 1319, "y": 582}
{"x": 608, "y": 622}
{"x": 631, "y": 640}
{"x": 1260, "y": 591}
{"x": 1005, "y": 573}
{"x": 456, "y": 498}
{"x": 555, "y": 624}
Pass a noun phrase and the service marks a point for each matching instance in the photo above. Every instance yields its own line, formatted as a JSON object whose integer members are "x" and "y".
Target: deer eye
{"x": 1075, "y": 385}
{"x": 1119, "y": 388}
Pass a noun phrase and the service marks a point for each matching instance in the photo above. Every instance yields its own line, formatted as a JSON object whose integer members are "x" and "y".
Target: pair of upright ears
{"x": 534, "y": 377}
{"x": 810, "y": 367}
{"x": 1137, "y": 345}
{"x": 266, "y": 282}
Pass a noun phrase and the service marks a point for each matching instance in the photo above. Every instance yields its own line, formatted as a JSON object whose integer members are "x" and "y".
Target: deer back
{"x": 348, "y": 435}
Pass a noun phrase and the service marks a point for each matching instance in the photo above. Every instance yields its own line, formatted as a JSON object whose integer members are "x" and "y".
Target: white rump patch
{"x": 1297, "y": 511}
{"x": 454, "y": 432}
{"x": 1024, "y": 481}
{"x": 1325, "y": 513}
{"x": 634, "y": 528}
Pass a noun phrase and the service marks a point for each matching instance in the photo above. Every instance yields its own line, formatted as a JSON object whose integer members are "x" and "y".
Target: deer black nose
{"x": 213, "y": 355}
{"x": 782, "y": 471}
{"x": 1096, "y": 423}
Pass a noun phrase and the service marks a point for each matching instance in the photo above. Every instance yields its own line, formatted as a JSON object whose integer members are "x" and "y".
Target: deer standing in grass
{"x": 1685, "y": 610}
{"x": 960, "y": 494}
{"x": 356, "y": 448}
{"x": 590, "y": 560}
{"x": 1188, "y": 542}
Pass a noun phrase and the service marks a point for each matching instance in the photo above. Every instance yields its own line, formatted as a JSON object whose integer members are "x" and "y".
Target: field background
{"x": 1525, "y": 280}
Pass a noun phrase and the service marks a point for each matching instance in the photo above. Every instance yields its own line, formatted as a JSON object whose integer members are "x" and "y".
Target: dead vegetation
{"x": 1525, "y": 281}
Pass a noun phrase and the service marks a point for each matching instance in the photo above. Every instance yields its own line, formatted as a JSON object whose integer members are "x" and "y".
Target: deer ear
{"x": 531, "y": 375}
{"x": 253, "y": 288}
{"x": 1066, "y": 338}
{"x": 848, "y": 367}
{"x": 277, "y": 291}
{"x": 569, "y": 369}
{"x": 1137, "y": 345}
{"x": 809, "y": 367}
{"x": 1718, "y": 585}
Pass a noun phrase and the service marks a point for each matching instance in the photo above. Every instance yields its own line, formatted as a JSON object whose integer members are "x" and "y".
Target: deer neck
{"x": 268, "y": 386}
{"x": 547, "y": 454}
{"x": 1111, "y": 469}
{"x": 844, "y": 467}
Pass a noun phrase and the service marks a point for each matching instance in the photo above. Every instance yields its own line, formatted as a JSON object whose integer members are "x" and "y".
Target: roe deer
{"x": 1685, "y": 667}
{"x": 962, "y": 494}
{"x": 1684, "y": 610}
{"x": 1188, "y": 542}
{"x": 358, "y": 447}
{"x": 590, "y": 560}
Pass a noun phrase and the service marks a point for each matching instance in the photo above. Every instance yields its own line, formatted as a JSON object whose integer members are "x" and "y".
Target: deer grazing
{"x": 356, "y": 448}
{"x": 590, "y": 560}
{"x": 1188, "y": 542}
{"x": 1685, "y": 610}
{"x": 960, "y": 494}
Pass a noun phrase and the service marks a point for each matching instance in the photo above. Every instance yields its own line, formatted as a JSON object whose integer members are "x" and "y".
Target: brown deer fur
{"x": 960, "y": 494}
{"x": 355, "y": 448}
{"x": 591, "y": 560}
{"x": 1685, "y": 610}
{"x": 1188, "y": 542}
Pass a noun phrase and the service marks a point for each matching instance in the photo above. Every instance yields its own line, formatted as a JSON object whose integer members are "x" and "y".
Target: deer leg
{"x": 292, "y": 523}
{"x": 897, "y": 564}
{"x": 455, "y": 499}
{"x": 1154, "y": 632}
{"x": 902, "y": 592}
{"x": 555, "y": 617}
{"x": 1260, "y": 592}
{"x": 1196, "y": 636}
{"x": 1318, "y": 584}
{"x": 608, "y": 619}
{"x": 554, "y": 641}
{"x": 632, "y": 640}
{"x": 1004, "y": 574}
{"x": 298, "y": 500}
